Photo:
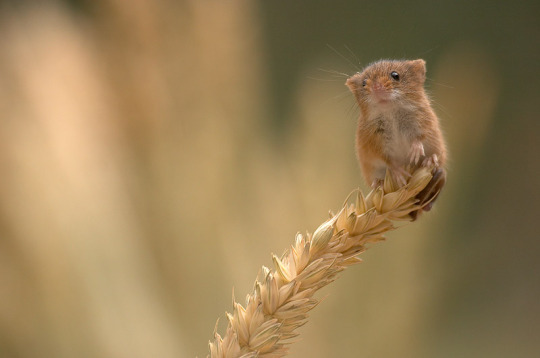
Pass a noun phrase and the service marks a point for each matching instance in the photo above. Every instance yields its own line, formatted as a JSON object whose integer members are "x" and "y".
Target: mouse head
{"x": 388, "y": 82}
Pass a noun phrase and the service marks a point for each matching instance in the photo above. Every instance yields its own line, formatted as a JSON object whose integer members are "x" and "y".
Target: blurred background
{"x": 154, "y": 153}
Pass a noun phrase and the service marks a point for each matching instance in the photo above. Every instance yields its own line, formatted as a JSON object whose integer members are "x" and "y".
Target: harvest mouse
{"x": 397, "y": 129}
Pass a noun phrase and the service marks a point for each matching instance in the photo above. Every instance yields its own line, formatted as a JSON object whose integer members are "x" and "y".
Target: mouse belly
{"x": 398, "y": 151}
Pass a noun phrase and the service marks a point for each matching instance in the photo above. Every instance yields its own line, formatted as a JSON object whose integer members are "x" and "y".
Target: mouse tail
{"x": 427, "y": 196}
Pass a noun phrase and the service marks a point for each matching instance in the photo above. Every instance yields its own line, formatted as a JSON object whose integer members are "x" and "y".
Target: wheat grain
{"x": 282, "y": 297}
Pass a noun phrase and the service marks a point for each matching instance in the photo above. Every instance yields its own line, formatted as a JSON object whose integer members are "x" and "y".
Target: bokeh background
{"x": 154, "y": 153}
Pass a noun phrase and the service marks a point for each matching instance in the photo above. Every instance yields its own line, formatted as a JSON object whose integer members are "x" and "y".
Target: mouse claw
{"x": 416, "y": 152}
{"x": 431, "y": 161}
{"x": 400, "y": 175}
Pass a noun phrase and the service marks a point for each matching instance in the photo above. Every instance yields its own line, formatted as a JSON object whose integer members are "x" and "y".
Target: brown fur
{"x": 396, "y": 119}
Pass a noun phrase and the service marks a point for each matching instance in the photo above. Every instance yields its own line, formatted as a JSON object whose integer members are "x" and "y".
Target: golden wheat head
{"x": 283, "y": 296}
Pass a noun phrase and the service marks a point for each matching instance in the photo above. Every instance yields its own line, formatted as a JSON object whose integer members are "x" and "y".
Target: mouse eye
{"x": 394, "y": 75}
{"x": 364, "y": 82}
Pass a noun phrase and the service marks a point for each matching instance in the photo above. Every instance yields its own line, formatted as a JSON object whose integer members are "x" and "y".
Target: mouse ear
{"x": 419, "y": 67}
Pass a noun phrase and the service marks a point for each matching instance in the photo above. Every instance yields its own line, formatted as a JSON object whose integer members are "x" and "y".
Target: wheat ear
{"x": 282, "y": 297}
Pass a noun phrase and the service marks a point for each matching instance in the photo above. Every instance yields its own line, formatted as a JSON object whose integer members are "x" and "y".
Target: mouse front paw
{"x": 431, "y": 161}
{"x": 416, "y": 152}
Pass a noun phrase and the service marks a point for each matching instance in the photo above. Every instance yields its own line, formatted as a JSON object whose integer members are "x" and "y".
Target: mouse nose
{"x": 377, "y": 86}
{"x": 379, "y": 92}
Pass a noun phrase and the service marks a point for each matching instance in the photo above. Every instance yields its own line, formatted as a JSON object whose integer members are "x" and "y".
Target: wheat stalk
{"x": 282, "y": 298}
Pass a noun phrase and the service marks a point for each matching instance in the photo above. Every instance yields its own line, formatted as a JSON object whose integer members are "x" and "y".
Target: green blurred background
{"x": 154, "y": 153}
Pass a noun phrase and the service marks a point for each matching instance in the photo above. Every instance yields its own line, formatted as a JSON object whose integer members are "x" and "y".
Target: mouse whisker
{"x": 345, "y": 58}
{"x": 334, "y": 72}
